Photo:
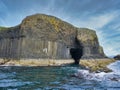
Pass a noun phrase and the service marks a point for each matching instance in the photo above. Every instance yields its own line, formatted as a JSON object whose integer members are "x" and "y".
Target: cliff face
{"x": 89, "y": 40}
{"x": 43, "y": 36}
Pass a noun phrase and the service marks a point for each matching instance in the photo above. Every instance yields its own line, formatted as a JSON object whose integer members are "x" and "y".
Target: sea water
{"x": 70, "y": 77}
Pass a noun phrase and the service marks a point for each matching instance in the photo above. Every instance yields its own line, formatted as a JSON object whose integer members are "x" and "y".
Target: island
{"x": 117, "y": 57}
{"x": 47, "y": 40}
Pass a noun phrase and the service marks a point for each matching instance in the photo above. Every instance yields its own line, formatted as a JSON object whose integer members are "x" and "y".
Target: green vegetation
{"x": 53, "y": 21}
{"x": 56, "y": 23}
{"x": 3, "y": 28}
{"x": 86, "y": 34}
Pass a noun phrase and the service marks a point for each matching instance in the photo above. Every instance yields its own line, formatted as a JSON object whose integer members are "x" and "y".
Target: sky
{"x": 103, "y": 16}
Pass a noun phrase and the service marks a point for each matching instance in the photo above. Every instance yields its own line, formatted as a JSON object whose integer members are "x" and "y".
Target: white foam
{"x": 115, "y": 67}
{"x": 102, "y": 76}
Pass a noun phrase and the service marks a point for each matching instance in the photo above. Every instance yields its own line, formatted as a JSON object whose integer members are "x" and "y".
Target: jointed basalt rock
{"x": 43, "y": 36}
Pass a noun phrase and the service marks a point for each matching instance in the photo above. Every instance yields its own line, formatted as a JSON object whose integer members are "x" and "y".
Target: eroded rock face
{"x": 43, "y": 36}
{"x": 89, "y": 41}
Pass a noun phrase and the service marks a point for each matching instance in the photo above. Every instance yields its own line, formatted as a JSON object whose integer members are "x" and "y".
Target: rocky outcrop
{"x": 43, "y": 36}
{"x": 117, "y": 57}
{"x": 89, "y": 41}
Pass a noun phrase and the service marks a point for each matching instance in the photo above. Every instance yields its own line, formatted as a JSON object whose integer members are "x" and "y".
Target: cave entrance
{"x": 76, "y": 54}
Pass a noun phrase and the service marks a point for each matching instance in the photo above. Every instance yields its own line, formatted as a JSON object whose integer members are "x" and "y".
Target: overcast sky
{"x": 100, "y": 15}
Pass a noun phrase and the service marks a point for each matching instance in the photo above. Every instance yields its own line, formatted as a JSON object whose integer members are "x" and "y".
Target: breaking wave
{"x": 111, "y": 79}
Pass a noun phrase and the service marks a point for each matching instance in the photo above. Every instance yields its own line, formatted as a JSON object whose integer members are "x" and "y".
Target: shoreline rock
{"x": 117, "y": 57}
{"x": 97, "y": 65}
{"x": 93, "y": 65}
{"x": 37, "y": 62}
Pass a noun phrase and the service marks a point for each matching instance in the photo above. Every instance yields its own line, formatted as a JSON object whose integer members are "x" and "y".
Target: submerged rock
{"x": 44, "y": 36}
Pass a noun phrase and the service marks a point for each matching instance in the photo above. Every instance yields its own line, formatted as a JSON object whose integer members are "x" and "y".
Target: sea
{"x": 68, "y": 77}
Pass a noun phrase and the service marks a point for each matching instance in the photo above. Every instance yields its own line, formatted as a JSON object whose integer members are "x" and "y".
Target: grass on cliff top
{"x": 97, "y": 65}
{"x": 2, "y": 28}
{"x": 87, "y": 34}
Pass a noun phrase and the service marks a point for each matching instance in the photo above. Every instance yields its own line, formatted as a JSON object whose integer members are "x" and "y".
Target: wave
{"x": 111, "y": 79}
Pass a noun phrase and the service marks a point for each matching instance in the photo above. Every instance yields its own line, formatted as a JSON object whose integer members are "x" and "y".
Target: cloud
{"x": 111, "y": 49}
{"x": 95, "y": 21}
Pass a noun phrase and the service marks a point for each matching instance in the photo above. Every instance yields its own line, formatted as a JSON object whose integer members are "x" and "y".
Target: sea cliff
{"x": 42, "y": 36}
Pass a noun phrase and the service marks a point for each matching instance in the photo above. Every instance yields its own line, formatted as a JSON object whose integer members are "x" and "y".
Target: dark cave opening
{"x": 77, "y": 51}
{"x": 76, "y": 54}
